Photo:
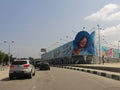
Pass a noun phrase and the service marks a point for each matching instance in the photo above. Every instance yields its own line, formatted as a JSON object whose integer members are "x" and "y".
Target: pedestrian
{"x": 2, "y": 67}
{"x": 103, "y": 61}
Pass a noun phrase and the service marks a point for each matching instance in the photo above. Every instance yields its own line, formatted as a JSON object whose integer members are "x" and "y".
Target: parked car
{"x": 37, "y": 64}
{"x": 44, "y": 66}
{"x": 20, "y": 68}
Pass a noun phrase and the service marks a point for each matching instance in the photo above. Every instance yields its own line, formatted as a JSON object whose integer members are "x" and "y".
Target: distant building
{"x": 83, "y": 49}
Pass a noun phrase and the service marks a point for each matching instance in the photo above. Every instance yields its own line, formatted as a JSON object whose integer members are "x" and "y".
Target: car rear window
{"x": 19, "y": 62}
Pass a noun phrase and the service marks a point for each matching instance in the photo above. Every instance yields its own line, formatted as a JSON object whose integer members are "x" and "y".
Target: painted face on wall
{"x": 83, "y": 42}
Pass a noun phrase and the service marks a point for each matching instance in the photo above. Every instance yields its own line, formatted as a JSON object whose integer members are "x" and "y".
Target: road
{"x": 61, "y": 79}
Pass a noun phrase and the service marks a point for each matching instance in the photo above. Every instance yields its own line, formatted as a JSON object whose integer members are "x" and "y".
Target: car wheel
{"x": 34, "y": 73}
{"x": 30, "y": 75}
{"x": 11, "y": 77}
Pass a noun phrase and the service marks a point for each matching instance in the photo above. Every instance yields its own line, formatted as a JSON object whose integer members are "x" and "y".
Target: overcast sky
{"x": 36, "y": 24}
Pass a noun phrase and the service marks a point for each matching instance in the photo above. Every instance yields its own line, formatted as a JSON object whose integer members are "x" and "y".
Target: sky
{"x": 36, "y": 24}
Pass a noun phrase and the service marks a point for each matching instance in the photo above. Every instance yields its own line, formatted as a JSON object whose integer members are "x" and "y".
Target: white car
{"x": 21, "y": 68}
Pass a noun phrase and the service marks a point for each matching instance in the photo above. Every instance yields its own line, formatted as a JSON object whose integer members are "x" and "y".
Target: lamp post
{"x": 83, "y": 28}
{"x": 69, "y": 37}
{"x": 99, "y": 36}
{"x": 9, "y": 43}
{"x": 99, "y": 42}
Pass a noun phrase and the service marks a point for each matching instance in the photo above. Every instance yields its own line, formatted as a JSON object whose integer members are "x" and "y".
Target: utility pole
{"x": 9, "y": 43}
{"x": 99, "y": 43}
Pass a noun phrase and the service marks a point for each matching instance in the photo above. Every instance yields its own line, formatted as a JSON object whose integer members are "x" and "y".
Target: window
{"x": 19, "y": 62}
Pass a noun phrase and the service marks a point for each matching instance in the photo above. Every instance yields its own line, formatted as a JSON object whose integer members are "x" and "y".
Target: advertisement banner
{"x": 110, "y": 52}
{"x": 84, "y": 43}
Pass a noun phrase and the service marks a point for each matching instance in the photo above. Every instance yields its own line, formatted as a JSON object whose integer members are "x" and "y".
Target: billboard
{"x": 62, "y": 51}
{"x": 84, "y": 43}
{"x": 110, "y": 52}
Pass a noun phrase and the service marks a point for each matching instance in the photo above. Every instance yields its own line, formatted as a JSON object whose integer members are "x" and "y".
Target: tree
{"x": 31, "y": 58}
{"x": 2, "y": 56}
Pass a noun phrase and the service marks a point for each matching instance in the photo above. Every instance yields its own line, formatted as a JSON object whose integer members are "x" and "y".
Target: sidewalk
{"x": 108, "y": 70}
{"x": 4, "y": 73}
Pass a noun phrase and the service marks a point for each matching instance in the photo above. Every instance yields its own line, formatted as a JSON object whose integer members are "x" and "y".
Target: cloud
{"x": 109, "y": 12}
{"x": 111, "y": 34}
{"x": 114, "y": 30}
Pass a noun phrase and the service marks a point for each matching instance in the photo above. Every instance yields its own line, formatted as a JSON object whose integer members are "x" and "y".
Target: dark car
{"x": 44, "y": 66}
{"x": 37, "y": 64}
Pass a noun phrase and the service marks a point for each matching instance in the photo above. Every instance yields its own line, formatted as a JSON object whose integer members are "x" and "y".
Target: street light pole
{"x": 69, "y": 37}
{"x": 99, "y": 43}
{"x": 9, "y": 50}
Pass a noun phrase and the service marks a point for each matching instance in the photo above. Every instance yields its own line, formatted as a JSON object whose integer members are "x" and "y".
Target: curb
{"x": 107, "y": 74}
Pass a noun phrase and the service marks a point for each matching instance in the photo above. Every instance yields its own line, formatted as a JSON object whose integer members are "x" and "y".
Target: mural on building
{"x": 110, "y": 52}
{"x": 84, "y": 43}
{"x": 81, "y": 50}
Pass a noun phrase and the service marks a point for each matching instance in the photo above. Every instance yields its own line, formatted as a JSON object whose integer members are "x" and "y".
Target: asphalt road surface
{"x": 60, "y": 79}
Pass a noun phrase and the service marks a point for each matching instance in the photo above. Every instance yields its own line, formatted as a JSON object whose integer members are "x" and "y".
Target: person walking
{"x": 103, "y": 61}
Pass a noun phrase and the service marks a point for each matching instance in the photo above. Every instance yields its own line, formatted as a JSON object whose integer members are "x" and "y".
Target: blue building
{"x": 83, "y": 50}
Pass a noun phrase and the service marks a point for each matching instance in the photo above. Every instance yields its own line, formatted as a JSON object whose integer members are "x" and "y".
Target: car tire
{"x": 30, "y": 75}
{"x": 11, "y": 77}
{"x": 34, "y": 73}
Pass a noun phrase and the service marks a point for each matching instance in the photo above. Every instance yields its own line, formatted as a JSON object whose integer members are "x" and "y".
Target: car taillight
{"x": 11, "y": 66}
{"x": 26, "y": 65}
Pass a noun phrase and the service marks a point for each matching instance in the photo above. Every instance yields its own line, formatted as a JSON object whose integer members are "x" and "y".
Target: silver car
{"x": 21, "y": 68}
